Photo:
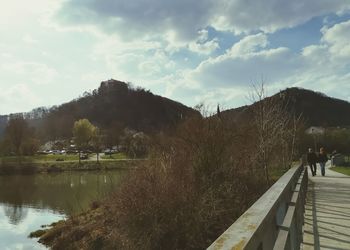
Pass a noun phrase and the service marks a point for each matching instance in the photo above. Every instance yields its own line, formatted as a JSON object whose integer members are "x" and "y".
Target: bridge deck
{"x": 327, "y": 212}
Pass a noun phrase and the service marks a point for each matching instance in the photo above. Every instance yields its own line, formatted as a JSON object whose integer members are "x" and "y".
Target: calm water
{"x": 29, "y": 201}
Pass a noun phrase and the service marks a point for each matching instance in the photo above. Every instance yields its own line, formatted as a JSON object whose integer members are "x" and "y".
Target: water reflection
{"x": 29, "y": 201}
{"x": 15, "y": 213}
{"x": 66, "y": 192}
{"x": 14, "y": 236}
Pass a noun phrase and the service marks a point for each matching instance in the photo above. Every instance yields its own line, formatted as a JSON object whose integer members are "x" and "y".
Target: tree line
{"x": 21, "y": 139}
{"x": 122, "y": 114}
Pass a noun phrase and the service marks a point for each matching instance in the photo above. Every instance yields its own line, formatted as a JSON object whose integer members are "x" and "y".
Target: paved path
{"x": 327, "y": 213}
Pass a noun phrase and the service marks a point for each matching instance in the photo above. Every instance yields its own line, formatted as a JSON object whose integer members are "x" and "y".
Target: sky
{"x": 207, "y": 51}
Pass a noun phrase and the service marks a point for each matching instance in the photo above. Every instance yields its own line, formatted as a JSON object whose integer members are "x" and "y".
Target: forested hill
{"x": 316, "y": 108}
{"x": 3, "y": 122}
{"x": 114, "y": 105}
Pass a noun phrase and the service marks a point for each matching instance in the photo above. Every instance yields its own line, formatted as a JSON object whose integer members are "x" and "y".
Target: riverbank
{"x": 29, "y": 201}
{"x": 60, "y": 166}
{"x": 134, "y": 209}
{"x": 88, "y": 230}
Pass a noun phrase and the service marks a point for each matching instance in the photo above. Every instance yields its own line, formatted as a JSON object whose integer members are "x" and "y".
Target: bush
{"x": 197, "y": 184}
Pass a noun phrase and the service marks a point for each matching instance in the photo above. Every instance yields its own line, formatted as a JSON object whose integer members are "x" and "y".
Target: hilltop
{"x": 316, "y": 108}
{"x": 114, "y": 104}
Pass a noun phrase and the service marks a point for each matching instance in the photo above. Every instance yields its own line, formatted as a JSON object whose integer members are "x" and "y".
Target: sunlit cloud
{"x": 187, "y": 50}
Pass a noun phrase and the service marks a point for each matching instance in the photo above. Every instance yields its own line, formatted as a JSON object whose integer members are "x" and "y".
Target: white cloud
{"x": 323, "y": 67}
{"x": 271, "y": 15}
{"x": 337, "y": 38}
{"x": 203, "y": 36}
{"x": 16, "y": 98}
{"x": 184, "y": 18}
{"x": 17, "y": 13}
{"x": 248, "y": 45}
{"x": 151, "y": 43}
{"x": 29, "y": 39}
{"x": 144, "y": 62}
{"x": 246, "y": 62}
{"x": 134, "y": 19}
{"x": 146, "y": 68}
{"x": 32, "y": 72}
{"x": 202, "y": 45}
{"x": 114, "y": 45}
{"x": 204, "y": 48}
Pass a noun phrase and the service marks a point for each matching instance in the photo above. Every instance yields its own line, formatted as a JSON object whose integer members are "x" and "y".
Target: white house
{"x": 315, "y": 131}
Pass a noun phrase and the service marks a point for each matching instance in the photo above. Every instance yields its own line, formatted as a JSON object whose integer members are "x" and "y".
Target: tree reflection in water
{"x": 65, "y": 193}
{"x": 15, "y": 213}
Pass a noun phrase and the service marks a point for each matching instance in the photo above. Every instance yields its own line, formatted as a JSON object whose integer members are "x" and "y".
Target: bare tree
{"x": 275, "y": 128}
{"x": 16, "y": 131}
{"x": 290, "y": 139}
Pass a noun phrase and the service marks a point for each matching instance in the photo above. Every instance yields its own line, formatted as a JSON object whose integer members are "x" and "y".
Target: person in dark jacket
{"x": 322, "y": 159}
{"x": 311, "y": 158}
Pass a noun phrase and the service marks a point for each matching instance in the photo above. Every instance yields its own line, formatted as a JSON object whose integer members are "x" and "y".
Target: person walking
{"x": 311, "y": 160}
{"x": 322, "y": 159}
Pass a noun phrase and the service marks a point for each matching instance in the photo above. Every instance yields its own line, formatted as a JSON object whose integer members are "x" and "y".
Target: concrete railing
{"x": 274, "y": 221}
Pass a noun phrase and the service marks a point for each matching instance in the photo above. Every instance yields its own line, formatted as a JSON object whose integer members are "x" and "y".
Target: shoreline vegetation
{"x": 90, "y": 229}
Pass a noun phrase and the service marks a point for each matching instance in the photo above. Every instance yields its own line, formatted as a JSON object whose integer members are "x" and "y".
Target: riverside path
{"x": 327, "y": 212}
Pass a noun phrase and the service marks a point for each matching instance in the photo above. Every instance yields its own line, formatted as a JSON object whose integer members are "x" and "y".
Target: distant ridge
{"x": 116, "y": 102}
{"x": 316, "y": 108}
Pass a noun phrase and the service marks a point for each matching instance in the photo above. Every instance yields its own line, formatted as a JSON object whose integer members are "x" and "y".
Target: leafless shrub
{"x": 195, "y": 186}
{"x": 276, "y": 130}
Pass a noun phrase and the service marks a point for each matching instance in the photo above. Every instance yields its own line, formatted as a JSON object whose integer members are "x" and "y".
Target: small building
{"x": 315, "y": 130}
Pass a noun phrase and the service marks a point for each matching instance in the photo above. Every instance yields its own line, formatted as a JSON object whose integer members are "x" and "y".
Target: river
{"x": 29, "y": 201}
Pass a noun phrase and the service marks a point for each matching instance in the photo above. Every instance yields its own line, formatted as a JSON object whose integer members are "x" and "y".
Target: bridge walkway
{"x": 327, "y": 212}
